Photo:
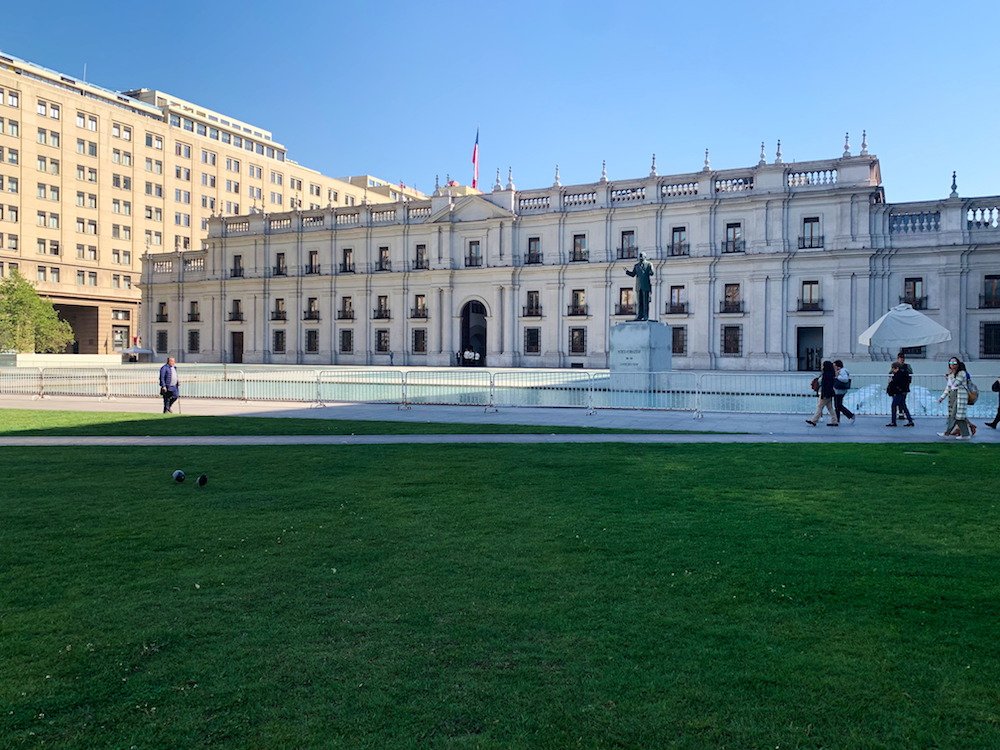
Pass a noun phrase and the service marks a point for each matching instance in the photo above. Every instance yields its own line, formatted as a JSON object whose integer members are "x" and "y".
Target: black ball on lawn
{"x": 203, "y": 480}
{"x": 178, "y": 476}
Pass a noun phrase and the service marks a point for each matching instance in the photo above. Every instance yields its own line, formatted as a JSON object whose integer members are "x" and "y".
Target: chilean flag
{"x": 475, "y": 161}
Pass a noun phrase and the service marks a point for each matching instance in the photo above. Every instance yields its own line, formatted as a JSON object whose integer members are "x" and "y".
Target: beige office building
{"x": 91, "y": 179}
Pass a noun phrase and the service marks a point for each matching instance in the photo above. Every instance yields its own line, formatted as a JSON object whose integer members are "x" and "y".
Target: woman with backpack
{"x": 827, "y": 380}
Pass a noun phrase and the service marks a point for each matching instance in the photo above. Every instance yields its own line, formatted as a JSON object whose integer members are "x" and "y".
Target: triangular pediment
{"x": 469, "y": 208}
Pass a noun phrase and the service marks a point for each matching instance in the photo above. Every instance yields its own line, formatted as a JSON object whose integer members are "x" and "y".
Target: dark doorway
{"x": 236, "y": 339}
{"x": 473, "y": 335}
{"x": 810, "y": 348}
{"x": 84, "y": 322}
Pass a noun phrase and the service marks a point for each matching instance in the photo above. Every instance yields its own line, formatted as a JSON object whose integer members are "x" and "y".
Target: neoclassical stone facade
{"x": 764, "y": 268}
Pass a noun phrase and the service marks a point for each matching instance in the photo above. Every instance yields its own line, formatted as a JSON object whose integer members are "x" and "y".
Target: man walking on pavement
{"x": 169, "y": 388}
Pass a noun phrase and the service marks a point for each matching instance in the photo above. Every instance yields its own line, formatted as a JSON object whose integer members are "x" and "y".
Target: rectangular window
{"x": 734, "y": 238}
{"x": 731, "y": 300}
{"x": 312, "y": 340}
{"x": 628, "y": 247}
{"x": 419, "y": 306}
{"x": 532, "y": 340}
{"x": 679, "y": 241}
{"x": 626, "y": 301}
{"x": 580, "y": 252}
{"x": 679, "y": 336}
{"x": 533, "y": 305}
{"x": 419, "y": 341}
{"x": 811, "y": 237}
{"x": 732, "y": 341}
{"x": 161, "y": 341}
{"x": 278, "y": 342}
{"x": 810, "y": 299}
{"x": 678, "y": 301}
{"x": 991, "y": 292}
{"x": 578, "y": 302}
{"x": 577, "y": 340}
{"x": 194, "y": 342}
{"x": 346, "y": 341}
{"x": 382, "y": 340}
{"x": 989, "y": 340}
{"x": 474, "y": 258}
{"x": 913, "y": 293}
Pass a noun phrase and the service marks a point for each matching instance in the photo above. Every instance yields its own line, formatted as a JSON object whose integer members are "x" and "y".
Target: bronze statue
{"x": 643, "y": 272}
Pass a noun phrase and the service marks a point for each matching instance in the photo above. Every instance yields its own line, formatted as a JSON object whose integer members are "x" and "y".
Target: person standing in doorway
{"x": 826, "y": 380}
{"x": 841, "y": 385}
{"x": 169, "y": 386}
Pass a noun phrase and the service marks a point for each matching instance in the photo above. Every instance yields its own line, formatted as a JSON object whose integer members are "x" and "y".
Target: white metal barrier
{"x": 728, "y": 392}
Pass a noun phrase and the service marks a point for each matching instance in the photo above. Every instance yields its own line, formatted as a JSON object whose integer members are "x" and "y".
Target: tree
{"x": 29, "y": 323}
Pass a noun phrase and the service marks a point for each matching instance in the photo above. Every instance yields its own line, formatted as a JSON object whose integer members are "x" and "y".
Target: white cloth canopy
{"x": 136, "y": 350}
{"x": 903, "y": 326}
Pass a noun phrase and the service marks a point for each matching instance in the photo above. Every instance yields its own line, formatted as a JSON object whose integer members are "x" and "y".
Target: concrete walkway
{"x": 735, "y": 428}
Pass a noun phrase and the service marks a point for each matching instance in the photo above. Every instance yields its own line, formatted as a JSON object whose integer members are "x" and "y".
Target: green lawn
{"x": 501, "y": 596}
{"x": 42, "y": 422}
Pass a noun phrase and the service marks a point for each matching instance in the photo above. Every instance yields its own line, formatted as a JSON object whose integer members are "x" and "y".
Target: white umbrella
{"x": 136, "y": 350}
{"x": 903, "y": 326}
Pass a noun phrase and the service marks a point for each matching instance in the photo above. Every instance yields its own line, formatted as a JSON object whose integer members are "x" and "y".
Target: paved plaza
{"x": 721, "y": 427}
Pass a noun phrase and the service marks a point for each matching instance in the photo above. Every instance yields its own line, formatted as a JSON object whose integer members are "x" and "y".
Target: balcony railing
{"x": 345, "y": 314}
{"x": 811, "y": 242}
{"x": 730, "y": 306}
{"x": 310, "y": 315}
{"x": 579, "y": 256}
{"x": 194, "y": 317}
{"x": 810, "y": 305}
{"x": 627, "y": 309}
{"x": 280, "y": 270}
{"x": 533, "y": 259}
{"x": 473, "y": 261}
{"x": 531, "y": 311}
{"x": 347, "y": 267}
{"x": 236, "y": 316}
{"x": 989, "y": 302}
{"x": 576, "y": 310}
{"x": 917, "y": 303}
{"x": 279, "y": 315}
{"x": 676, "y": 308}
{"x": 311, "y": 269}
{"x": 383, "y": 265}
{"x": 162, "y": 318}
{"x": 628, "y": 252}
{"x": 734, "y": 246}
{"x": 679, "y": 248}
{"x": 381, "y": 313}
{"x": 418, "y": 312}
{"x": 421, "y": 264}
{"x": 236, "y": 273}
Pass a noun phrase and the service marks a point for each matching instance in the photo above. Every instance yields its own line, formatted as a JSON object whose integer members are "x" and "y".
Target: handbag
{"x": 996, "y": 386}
{"x": 973, "y": 391}
{"x": 815, "y": 385}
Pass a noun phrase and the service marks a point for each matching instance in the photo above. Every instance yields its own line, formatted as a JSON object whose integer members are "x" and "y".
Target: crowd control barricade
{"x": 279, "y": 385}
{"x": 760, "y": 393}
{"x": 72, "y": 381}
{"x": 360, "y": 386}
{"x": 21, "y": 381}
{"x": 644, "y": 390}
{"x": 540, "y": 388}
{"x": 460, "y": 387}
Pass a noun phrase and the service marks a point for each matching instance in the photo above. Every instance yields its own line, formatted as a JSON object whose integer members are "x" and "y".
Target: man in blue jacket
{"x": 168, "y": 384}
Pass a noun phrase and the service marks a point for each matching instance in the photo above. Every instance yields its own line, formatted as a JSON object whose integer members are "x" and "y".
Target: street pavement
{"x": 711, "y": 427}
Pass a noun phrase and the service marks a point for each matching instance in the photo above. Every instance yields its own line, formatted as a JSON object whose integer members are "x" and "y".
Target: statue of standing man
{"x": 643, "y": 272}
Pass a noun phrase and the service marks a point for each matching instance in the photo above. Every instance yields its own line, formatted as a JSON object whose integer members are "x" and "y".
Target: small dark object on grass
{"x": 178, "y": 476}
{"x": 203, "y": 480}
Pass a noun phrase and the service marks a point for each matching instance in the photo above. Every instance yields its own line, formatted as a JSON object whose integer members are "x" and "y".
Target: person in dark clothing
{"x": 996, "y": 419}
{"x": 899, "y": 386}
{"x": 827, "y": 380}
{"x": 840, "y": 389}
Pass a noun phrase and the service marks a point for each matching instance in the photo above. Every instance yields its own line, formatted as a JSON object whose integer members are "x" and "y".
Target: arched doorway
{"x": 473, "y": 350}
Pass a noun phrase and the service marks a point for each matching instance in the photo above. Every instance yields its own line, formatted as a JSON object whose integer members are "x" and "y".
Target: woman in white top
{"x": 957, "y": 392}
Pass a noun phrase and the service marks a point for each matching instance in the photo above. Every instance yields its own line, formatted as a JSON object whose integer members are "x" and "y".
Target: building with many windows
{"x": 91, "y": 179}
{"x": 766, "y": 268}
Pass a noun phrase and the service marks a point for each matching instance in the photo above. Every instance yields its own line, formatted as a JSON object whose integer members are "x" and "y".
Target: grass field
{"x": 690, "y": 596}
{"x": 129, "y": 424}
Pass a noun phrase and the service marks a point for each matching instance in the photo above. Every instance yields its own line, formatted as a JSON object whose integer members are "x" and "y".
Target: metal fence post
{"x": 590, "y": 395}
{"x": 698, "y": 414}
{"x": 244, "y": 376}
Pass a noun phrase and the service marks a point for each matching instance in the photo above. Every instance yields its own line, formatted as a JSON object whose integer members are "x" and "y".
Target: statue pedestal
{"x": 639, "y": 350}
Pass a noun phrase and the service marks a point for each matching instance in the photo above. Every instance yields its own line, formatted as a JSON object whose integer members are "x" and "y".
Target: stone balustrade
{"x": 918, "y": 221}
{"x": 734, "y": 185}
{"x": 825, "y": 177}
{"x": 628, "y": 194}
{"x": 675, "y": 189}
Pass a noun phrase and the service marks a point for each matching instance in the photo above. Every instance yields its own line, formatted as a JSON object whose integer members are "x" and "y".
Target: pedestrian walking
{"x": 169, "y": 386}
{"x": 957, "y": 392}
{"x": 825, "y": 399}
{"x": 841, "y": 386}
{"x": 899, "y": 386}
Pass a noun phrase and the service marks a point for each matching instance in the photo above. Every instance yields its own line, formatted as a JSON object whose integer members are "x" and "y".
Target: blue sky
{"x": 398, "y": 89}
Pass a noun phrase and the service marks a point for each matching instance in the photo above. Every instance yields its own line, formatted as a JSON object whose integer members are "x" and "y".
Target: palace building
{"x": 93, "y": 179}
{"x": 769, "y": 267}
